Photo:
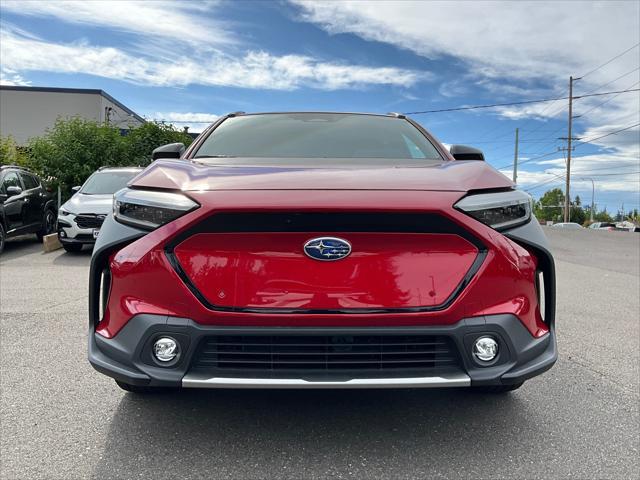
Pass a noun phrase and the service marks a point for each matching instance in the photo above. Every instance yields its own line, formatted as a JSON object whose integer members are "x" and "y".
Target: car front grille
{"x": 322, "y": 353}
{"x": 89, "y": 221}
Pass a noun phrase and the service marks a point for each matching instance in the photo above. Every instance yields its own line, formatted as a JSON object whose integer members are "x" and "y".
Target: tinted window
{"x": 10, "y": 180}
{"x": 106, "y": 183}
{"x": 318, "y": 135}
{"x": 29, "y": 181}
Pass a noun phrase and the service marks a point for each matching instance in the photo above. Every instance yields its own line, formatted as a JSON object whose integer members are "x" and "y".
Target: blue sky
{"x": 188, "y": 62}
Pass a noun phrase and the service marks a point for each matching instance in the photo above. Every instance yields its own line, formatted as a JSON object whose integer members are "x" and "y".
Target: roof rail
{"x": 235, "y": 114}
{"x": 14, "y": 166}
{"x": 397, "y": 115}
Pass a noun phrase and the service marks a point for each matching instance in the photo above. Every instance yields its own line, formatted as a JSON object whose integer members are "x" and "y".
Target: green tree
{"x": 141, "y": 141}
{"x": 603, "y": 216}
{"x": 73, "y": 149}
{"x": 10, "y": 153}
{"x": 578, "y": 215}
{"x": 549, "y": 207}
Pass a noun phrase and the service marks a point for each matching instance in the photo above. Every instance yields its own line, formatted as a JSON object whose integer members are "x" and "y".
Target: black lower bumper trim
{"x": 127, "y": 357}
{"x": 76, "y": 241}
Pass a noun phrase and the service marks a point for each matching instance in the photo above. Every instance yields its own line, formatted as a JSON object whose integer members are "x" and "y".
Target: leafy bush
{"x": 10, "y": 153}
{"x": 75, "y": 148}
{"x": 141, "y": 141}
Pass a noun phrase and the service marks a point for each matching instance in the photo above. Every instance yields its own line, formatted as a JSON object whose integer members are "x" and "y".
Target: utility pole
{"x": 515, "y": 160}
{"x": 593, "y": 195}
{"x": 567, "y": 192}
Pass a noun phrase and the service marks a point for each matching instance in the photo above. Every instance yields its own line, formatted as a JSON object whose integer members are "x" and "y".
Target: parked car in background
{"x": 25, "y": 205}
{"x": 321, "y": 250}
{"x": 602, "y": 226}
{"x": 567, "y": 226}
{"x": 627, "y": 226}
{"x": 80, "y": 218}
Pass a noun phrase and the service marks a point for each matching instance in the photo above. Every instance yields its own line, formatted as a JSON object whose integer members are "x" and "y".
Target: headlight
{"x": 499, "y": 210}
{"x": 149, "y": 209}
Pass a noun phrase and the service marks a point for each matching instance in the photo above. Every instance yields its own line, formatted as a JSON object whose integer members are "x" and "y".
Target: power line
{"x": 524, "y": 102}
{"x": 606, "y": 101}
{"x": 562, "y": 95}
{"x": 528, "y": 160}
{"x": 576, "y": 145}
{"x": 606, "y": 135}
{"x": 611, "y": 60}
{"x": 614, "y": 80}
{"x": 604, "y": 168}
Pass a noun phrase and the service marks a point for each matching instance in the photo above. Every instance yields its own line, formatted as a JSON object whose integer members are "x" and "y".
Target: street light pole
{"x": 593, "y": 195}
{"x": 515, "y": 160}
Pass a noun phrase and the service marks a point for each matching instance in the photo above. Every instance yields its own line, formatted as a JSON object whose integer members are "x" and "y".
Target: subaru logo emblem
{"x": 327, "y": 248}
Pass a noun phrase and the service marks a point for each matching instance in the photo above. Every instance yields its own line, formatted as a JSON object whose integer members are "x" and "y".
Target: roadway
{"x": 62, "y": 420}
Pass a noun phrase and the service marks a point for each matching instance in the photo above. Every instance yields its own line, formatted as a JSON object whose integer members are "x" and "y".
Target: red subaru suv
{"x": 321, "y": 250}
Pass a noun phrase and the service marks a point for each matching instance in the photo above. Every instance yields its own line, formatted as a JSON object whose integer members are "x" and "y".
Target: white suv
{"x": 80, "y": 218}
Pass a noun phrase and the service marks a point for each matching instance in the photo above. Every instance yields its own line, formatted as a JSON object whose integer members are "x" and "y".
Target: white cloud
{"x": 10, "y": 77}
{"x": 196, "y": 121}
{"x": 526, "y": 49}
{"x": 610, "y": 172}
{"x": 259, "y": 70}
{"x": 175, "y": 117}
{"x": 189, "y": 22}
{"x": 498, "y": 39}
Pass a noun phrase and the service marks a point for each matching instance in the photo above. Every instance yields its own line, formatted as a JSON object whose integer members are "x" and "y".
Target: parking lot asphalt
{"x": 62, "y": 420}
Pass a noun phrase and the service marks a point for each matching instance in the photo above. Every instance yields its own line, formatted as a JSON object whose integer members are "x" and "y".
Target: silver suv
{"x": 80, "y": 218}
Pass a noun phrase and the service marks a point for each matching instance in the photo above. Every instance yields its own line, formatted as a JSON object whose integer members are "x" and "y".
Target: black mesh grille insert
{"x": 89, "y": 221}
{"x": 321, "y": 353}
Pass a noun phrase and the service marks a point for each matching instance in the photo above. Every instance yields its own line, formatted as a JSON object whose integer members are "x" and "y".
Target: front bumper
{"x": 127, "y": 356}
{"x": 70, "y": 233}
{"x": 141, "y": 279}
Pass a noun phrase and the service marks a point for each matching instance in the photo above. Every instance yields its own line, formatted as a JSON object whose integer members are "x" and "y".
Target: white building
{"x": 27, "y": 112}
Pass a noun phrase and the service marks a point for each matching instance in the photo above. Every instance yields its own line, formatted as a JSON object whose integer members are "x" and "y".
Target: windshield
{"x": 318, "y": 135}
{"x": 107, "y": 183}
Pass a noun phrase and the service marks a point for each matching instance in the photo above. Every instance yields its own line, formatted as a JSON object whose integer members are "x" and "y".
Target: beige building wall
{"x": 29, "y": 113}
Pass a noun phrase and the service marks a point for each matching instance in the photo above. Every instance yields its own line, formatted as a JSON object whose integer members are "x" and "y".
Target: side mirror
{"x": 12, "y": 191}
{"x": 76, "y": 189}
{"x": 462, "y": 152}
{"x": 171, "y": 150}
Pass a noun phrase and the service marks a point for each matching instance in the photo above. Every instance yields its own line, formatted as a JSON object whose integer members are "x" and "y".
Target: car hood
{"x": 185, "y": 175}
{"x": 97, "y": 204}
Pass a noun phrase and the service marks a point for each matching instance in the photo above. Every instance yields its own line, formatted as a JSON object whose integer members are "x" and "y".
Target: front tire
{"x": 497, "y": 389}
{"x": 72, "y": 247}
{"x": 48, "y": 224}
{"x": 2, "y": 238}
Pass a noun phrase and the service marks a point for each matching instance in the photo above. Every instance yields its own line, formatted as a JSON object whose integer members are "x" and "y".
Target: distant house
{"x": 27, "y": 112}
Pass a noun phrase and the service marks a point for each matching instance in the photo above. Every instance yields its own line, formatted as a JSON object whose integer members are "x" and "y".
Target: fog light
{"x": 485, "y": 349}
{"x": 63, "y": 234}
{"x": 165, "y": 349}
